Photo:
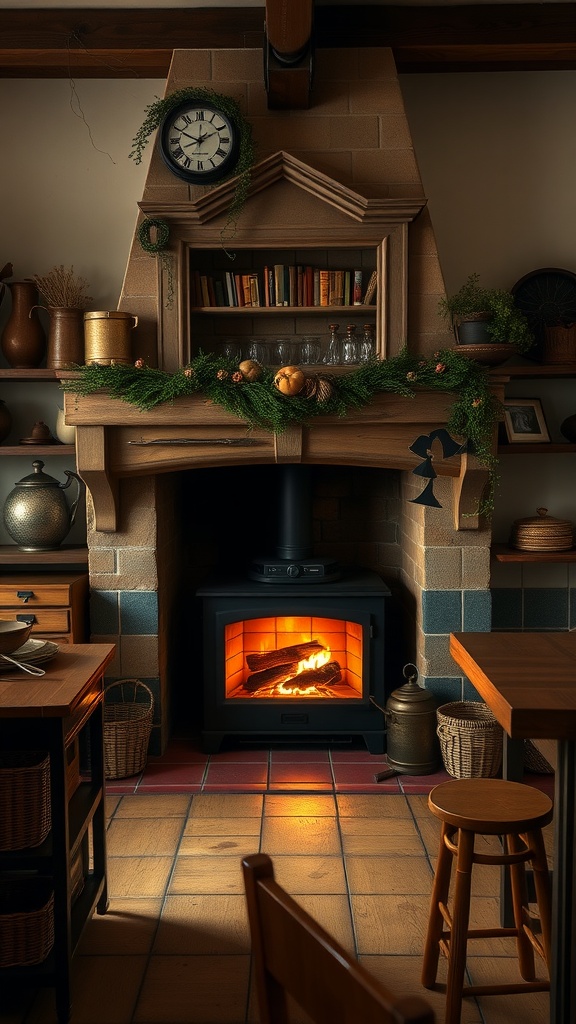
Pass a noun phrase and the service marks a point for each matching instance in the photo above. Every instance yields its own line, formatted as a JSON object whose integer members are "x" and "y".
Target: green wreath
{"x": 155, "y": 114}
{"x": 472, "y": 414}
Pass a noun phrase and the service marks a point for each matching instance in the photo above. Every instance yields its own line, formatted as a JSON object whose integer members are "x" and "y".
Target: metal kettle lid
{"x": 38, "y": 478}
{"x": 411, "y": 692}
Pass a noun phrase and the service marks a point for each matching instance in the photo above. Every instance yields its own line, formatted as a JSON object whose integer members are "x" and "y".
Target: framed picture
{"x": 524, "y": 420}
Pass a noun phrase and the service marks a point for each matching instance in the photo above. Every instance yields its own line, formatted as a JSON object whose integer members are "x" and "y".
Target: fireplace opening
{"x": 232, "y": 515}
{"x": 294, "y": 661}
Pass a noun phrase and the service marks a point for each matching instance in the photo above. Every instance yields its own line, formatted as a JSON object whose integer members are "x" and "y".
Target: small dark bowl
{"x": 13, "y": 634}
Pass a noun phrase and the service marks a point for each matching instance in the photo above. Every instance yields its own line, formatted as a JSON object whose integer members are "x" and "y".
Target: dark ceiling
{"x": 138, "y": 42}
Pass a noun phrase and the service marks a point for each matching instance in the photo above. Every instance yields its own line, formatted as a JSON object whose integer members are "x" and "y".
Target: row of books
{"x": 283, "y": 285}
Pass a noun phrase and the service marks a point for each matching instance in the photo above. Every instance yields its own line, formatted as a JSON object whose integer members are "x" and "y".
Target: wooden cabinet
{"x": 72, "y": 858}
{"x": 24, "y": 410}
{"x": 56, "y": 603}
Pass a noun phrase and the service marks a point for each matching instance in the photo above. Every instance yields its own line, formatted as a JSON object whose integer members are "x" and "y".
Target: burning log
{"x": 299, "y": 652}
{"x": 326, "y": 675}
{"x": 270, "y": 675}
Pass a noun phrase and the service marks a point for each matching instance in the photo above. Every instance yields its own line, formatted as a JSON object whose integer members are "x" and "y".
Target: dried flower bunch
{"x": 61, "y": 287}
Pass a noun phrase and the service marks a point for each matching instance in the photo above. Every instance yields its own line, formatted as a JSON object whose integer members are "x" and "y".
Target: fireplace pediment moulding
{"x": 292, "y": 207}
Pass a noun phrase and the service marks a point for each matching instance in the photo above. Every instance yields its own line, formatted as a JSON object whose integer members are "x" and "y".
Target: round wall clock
{"x": 199, "y": 142}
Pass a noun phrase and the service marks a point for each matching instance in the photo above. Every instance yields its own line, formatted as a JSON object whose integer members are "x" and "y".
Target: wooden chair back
{"x": 293, "y": 955}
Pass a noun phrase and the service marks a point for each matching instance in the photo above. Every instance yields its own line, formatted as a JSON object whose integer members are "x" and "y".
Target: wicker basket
{"x": 128, "y": 714}
{"x": 26, "y": 921}
{"x": 24, "y": 799}
{"x": 470, "y": 740}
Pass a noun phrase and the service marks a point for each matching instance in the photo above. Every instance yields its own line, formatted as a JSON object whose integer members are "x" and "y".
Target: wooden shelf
{"x": 503, "y": 553}
{"x": 34, "y": 450}
{"x": 68, "y": 554}
{"x": 535, "y": 448}
{"x": 535, "y": 370}
{"x": 286, "y": 310}
{"x": 27, "y": 375}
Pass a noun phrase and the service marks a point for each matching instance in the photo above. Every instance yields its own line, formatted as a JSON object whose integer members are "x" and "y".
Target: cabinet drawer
{"x": 44, "y": 620}
{"x": 33, "y": 595}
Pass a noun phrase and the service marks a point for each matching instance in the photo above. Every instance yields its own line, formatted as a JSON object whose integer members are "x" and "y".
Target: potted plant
{"x": 486, "y": 316}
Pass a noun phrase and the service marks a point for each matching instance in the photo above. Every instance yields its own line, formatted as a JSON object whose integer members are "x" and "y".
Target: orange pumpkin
{"x": 290, "y": 380}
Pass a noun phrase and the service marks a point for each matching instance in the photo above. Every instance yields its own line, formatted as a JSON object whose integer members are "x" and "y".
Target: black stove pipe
{"x": 295, "y": 513}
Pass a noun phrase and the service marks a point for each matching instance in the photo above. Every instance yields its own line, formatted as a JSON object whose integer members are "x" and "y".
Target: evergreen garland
{"x": 472, "y": 412}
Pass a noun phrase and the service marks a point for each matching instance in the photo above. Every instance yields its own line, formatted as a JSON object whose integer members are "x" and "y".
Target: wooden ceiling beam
{"x": 132, "y": 42}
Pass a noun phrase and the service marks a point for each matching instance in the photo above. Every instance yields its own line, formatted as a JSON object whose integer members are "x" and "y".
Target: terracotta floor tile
{"x": 173, "y": 775}
{"x": 128, "y": 926}
{"x": 308, "y": 773}
{"x": 386, "y": 924}
{"x": 307, "y": 804}
{"x": 310, "y": 874}
{"x": 222, "y": 826}
{"x": 207, "y": 875}
{"x": 224, "y": 805}
{"x": 399, "y": 875}
{"x": 171, "y": 805}
{"x": 401, "y": 974}
{"x": 378, "y": 805}
{"x": 144, "y": 837}
{"x": 308, "y": 756}
{"x": 255, "y": 756}
{"x": 194, "y": 990}
{"x": 332, "y": 913}
{"x": 293, "y": 835}
{"x": 115, "y": 980}
{"x": 138, "y": 876}
{"x": 204, "y": 925}
{"x": 219, "y": 846}
{"x": 377, "y": 761}
{"x": 230, "y": 773}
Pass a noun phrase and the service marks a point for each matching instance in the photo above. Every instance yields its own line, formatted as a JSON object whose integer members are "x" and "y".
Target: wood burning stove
{"x": 294, "y": 661}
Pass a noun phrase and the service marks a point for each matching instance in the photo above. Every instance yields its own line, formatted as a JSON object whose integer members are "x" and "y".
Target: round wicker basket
{"x": 26, "y": 921}
{"x": 128, "y": 716}
{"x": 470, "y": 740}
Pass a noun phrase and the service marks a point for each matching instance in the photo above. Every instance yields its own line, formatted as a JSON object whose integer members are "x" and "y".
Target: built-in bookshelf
{"x": 282, "y": 284}
{"x": 266, "y": 296}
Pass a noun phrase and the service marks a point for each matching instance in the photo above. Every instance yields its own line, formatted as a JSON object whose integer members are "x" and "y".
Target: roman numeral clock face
{"x": 199, "y": 143}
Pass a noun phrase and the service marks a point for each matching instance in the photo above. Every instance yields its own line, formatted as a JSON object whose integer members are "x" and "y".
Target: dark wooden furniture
{"x": 529, "y": 681}
{"x": 56, "y": 604}
{"x": 49, "y": 713}
{"x": 294, "y": 956}
{"x": 515, "y": 814}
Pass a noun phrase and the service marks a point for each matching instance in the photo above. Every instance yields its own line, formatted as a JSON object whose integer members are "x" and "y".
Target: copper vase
{"x": 23, "y": 339}
{"x": 65, "y": 338}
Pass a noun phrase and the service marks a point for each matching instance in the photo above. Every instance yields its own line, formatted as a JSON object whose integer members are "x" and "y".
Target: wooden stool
{"x": 517, "y": 813}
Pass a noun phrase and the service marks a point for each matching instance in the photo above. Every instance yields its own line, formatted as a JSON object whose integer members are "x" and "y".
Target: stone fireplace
{"x": 162, "y": 519}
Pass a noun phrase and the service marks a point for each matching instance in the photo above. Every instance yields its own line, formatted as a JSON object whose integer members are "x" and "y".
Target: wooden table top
{"x": 527, "y": 679}
{"x": 70, "y": 675}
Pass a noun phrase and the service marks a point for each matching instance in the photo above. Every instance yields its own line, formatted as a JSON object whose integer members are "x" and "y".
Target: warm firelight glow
{"x": 315, "y": 660}
{"x": 293, "y": 690}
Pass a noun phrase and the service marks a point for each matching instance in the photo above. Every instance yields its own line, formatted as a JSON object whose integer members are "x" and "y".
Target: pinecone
{"x": 324, "y": 389}
{"x": 310, "y": 388}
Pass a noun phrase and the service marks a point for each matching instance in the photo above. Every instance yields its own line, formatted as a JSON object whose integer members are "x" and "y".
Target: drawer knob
{"x": 25, "y": 595}
{"x": 29, "y": 619}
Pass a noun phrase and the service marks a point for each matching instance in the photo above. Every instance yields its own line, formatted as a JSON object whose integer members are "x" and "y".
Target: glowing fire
{"x": 293, "y": 690}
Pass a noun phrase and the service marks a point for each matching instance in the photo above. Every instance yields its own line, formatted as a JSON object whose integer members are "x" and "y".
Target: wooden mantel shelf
{"x": 115, "y": 439}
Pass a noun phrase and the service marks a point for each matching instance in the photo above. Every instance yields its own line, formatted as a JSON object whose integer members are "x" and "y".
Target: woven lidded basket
{"x": 26, "y": 921}
{"x": 128, "y": 716}
{"x": 470, "y": 739}
{"x": 542, "y": 533}
{"x": 24, "y": 798}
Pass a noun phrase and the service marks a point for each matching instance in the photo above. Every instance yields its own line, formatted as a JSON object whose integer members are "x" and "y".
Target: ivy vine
{"x": 472, "y": 410}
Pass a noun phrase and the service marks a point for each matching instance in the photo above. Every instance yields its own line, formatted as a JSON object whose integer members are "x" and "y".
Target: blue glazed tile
{"x": 104, "y": 618}
{"x": 477, "y": 611}
{"x": 442, "y": 611}
{"x": 444, "y": 689}
{"x": 138, "y": 612}
{"x": 546, "y": 608}
{"x": 507, "y": 608}
{"x": 572, "y": 623}
{"x": 470, "y": 692}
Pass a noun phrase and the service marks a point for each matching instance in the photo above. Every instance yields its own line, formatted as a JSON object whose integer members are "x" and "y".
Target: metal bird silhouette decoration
{"x": 422, "y": 446}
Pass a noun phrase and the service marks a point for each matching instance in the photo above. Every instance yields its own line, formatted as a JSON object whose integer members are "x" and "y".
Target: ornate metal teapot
{"x": 36, "y": 513}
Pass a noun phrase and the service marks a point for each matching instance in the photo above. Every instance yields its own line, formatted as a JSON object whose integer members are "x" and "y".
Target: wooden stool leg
{"x": 519, "y": 901}
{"x": 436, "y": 921}
{"x": 543, "y": 888}
{"x": 459, "y": 932}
